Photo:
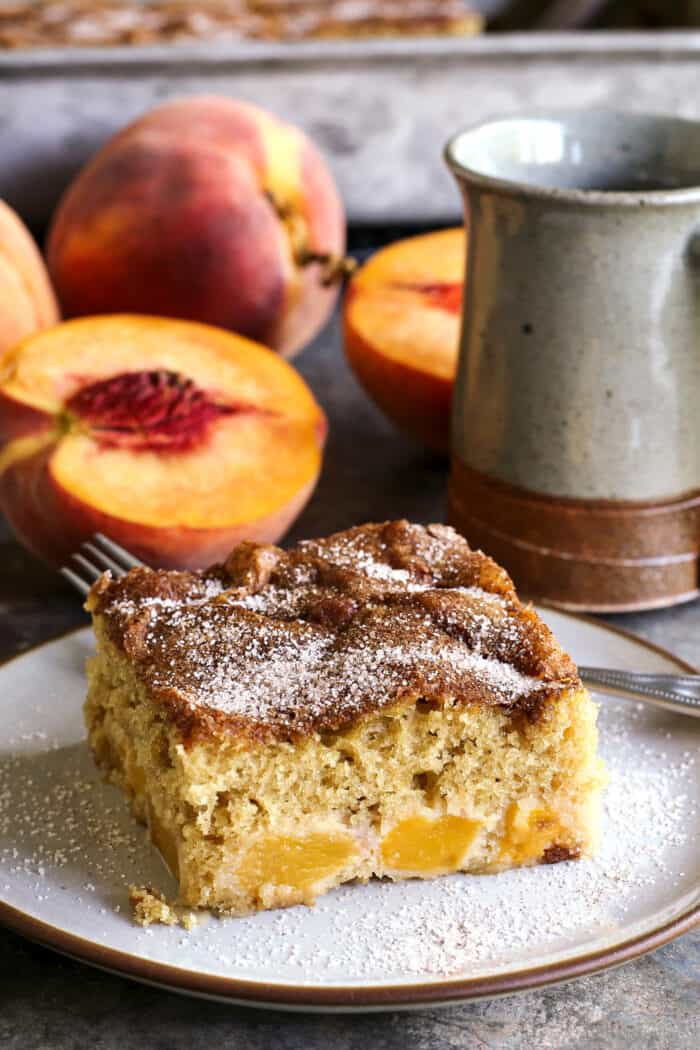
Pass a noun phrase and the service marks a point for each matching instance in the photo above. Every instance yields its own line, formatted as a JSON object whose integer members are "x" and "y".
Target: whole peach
{"x": 206, "y": 209}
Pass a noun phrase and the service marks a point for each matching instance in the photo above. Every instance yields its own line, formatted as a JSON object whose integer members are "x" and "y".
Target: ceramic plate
{"x": 69, "y": 849}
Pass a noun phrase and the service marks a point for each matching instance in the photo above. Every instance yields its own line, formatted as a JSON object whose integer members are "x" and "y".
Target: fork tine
{"x": 128, "y": 561}
{"x": 93, "y": 570}
{"x": 75, "y": 580}
{"x": 97, "y": 555}
{"x": 104, "y": 560}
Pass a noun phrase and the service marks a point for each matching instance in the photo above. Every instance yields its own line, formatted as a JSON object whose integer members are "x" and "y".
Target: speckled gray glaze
{"x": 580, "y": 366}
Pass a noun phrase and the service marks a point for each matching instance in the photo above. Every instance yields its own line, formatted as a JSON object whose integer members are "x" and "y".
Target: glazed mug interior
{"x": 587, "y": 151}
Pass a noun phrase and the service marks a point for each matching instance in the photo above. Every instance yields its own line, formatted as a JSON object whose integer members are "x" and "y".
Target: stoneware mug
{"x": 576, "y": 410}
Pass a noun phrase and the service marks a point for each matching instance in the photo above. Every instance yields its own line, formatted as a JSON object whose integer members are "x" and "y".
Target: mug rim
{"x": 565, "y": 194}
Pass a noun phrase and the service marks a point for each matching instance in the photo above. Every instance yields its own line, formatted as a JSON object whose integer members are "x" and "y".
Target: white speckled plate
{"x": 69, "y": 848}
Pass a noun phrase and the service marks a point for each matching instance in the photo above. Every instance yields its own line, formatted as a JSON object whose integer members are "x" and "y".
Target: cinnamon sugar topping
{"x": 277, "y": 644}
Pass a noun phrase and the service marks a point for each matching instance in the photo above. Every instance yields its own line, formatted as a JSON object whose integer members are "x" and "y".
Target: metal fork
{"x": 674, "y": 692}
{"x": 97, "y": 555}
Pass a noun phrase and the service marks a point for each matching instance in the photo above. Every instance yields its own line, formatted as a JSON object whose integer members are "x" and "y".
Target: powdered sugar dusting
{"x": 280, "y": 669}
{"x": 359, "y": 552}
{"x": 208, "y": 587}
{"x": 313, "y": 637}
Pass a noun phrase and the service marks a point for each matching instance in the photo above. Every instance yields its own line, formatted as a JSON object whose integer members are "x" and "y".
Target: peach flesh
{"x": 444, "y": 295}
{"x": 299, "y": 862}
{"x": 180, "y": 442}
{"x": 428, "y": 845}
{"x": 401, "y": 330}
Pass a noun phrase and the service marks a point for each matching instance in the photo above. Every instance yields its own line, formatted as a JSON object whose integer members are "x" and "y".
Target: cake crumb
{"x": 189, "y": 920}
{"x": 149, "y": 905}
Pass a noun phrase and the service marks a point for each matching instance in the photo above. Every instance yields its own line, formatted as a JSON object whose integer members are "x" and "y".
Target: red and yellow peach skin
{"x": 208, "y": 209}
{"x": 27, "y": 300}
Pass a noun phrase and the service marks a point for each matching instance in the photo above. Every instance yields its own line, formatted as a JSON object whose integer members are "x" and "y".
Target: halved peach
{"x": 176, "y": 439}
{"x": 27, "y": 300}
{"x": 401, "y": 329}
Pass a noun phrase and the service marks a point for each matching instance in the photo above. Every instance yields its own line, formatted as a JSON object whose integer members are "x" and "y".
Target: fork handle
{"x": 679, "y": 693}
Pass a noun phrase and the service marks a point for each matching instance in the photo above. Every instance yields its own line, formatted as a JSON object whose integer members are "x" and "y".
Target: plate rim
{"x": 350, "y": 997}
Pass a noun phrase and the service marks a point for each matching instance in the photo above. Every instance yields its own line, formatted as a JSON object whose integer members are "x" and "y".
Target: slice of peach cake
{"x": 375, "y": 703}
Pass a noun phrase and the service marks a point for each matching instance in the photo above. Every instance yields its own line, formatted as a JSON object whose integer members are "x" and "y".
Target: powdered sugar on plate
{"x": 69, "y": 849}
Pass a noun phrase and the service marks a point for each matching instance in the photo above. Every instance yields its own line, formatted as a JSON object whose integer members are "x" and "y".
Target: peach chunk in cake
{"x": 375, "y": 703}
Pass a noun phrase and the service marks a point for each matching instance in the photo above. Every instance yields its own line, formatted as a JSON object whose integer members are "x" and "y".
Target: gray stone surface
{"x": 50, "y": 1002}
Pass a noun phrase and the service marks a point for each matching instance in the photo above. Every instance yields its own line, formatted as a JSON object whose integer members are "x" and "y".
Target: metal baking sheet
{"x": 381, "y": 110}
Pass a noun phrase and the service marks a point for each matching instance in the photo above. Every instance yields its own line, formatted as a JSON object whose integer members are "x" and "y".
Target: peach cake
{"x": 375, "y": 703}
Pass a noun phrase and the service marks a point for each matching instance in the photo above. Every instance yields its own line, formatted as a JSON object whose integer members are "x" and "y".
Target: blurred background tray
{"x": 380, "y": 109}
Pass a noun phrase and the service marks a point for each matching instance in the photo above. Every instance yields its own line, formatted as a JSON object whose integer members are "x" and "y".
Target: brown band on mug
{"x": 586, "y": 554}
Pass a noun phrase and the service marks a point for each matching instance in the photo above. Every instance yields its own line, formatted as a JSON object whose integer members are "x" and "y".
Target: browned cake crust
{"x": 276, "y": 645}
